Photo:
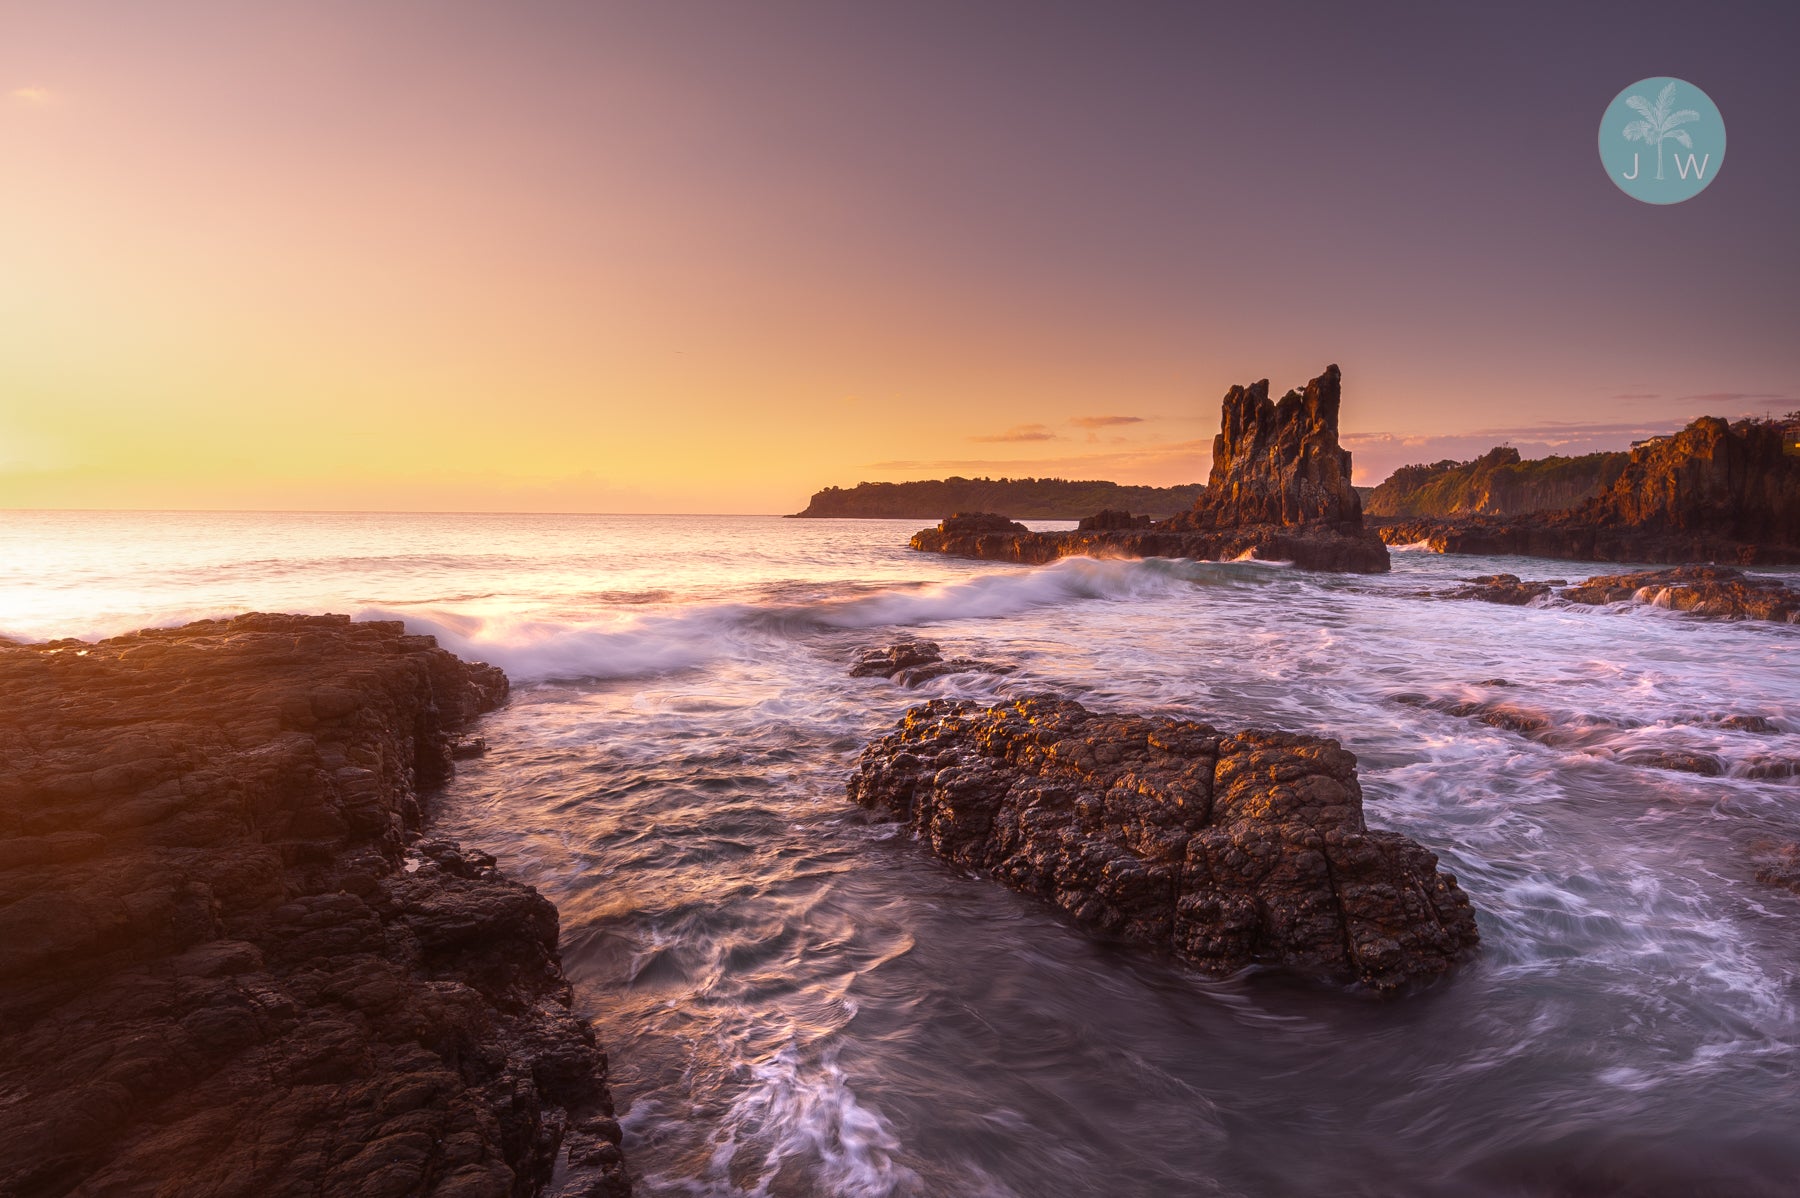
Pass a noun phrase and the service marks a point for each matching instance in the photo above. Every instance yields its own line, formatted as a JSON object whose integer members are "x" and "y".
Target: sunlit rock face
{"x": 1279, "y": 462}
{"x": 1279, "y": 491}
{"x": 1226, "y": 850}
{"x": 1713, "y": 492}
{"x": 228, "y": 966}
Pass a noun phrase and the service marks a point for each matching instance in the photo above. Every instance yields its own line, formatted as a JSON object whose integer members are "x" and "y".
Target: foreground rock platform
{"x": 1279, "y": 491}
{"x": 227, "y": 965}
{"x": 1226, "y": 850}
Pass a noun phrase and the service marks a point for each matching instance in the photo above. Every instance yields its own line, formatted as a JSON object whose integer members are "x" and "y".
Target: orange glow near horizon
{"x": 336, "y": 258}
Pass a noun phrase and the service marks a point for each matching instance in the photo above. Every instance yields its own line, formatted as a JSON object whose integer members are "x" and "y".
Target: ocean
{"x": 799, "y": 1001}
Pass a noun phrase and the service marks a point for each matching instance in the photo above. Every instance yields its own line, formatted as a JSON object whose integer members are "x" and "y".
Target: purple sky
{"x": 682, "y": 256}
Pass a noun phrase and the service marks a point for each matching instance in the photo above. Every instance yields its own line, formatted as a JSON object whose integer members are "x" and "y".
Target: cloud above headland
{"x": 1019, "y": 432}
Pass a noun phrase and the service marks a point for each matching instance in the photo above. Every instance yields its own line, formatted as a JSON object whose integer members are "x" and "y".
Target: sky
{"x": 710, "y": 257}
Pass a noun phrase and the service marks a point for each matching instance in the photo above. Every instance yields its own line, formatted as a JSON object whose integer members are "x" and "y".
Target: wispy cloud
{"x": 1182, "y": 461}
{"x": 1019, "y": 432}
{"x": 37, "y": 97}
{"x": 1639, "y": 395}
{"x": 1105, "y": 421}
{"x": 1717, "y": 397}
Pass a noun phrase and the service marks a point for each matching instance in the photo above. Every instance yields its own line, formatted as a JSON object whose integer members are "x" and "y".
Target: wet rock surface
{"x": 223, "y": 970}
{"x": 911, "y": 662}
{"x": 1279, "y": 491}
{"x": 1719, "y": 592}
{"x": 1778, "y": 864}
{"x": 1500, "y": 588}
{"x": 1226, "y": 850}
{"x": 1713, "y": 492}
{"x": 1598, "y": 735}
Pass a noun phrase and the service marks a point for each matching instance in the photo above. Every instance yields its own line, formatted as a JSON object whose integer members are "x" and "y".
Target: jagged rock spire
{"x": 1280, "y": 463}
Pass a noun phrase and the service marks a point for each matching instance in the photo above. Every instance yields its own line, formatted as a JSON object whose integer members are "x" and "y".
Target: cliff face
{"x": 1279, "y": 463}
{"x": 1732, "y": 481}
{"x": 1498, "y": 483}
{"x": 1279, "y": 491}
{"x": 1022, "y": 498}
{"x": 225, "y": 966}
{"x": 1714, "y": 492}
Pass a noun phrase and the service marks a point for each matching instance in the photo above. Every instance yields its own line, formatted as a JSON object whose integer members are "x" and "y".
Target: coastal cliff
{"x": 1024, "y": 498}
{"x": 1498, "y": 483}
{"x": 227, "y": 964}
{"x": 1279, "y": 490}
{"x": 1713, "y": 492}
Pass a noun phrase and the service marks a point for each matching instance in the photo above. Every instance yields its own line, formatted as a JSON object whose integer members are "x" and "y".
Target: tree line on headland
{"x": 1021, "y": 498}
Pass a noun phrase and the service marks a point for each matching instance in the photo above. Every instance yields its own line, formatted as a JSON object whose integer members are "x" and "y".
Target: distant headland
{"x": 1021, "y": 498}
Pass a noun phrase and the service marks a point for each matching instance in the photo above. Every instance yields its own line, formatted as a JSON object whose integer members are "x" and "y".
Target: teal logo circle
{"x": 1662, "y": 141}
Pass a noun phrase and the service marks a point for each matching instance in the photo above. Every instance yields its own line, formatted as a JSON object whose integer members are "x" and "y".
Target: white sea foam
{"x": 642, "y": 643}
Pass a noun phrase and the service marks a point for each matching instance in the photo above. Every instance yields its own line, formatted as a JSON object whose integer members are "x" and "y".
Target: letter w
{"x": 1684, "y": 167}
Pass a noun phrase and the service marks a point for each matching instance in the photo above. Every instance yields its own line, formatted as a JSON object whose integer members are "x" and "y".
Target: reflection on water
{"x": 799, "y": 1002}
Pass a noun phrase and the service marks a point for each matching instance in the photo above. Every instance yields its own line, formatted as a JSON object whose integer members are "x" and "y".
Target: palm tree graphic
{"x": 1659, "y": 123}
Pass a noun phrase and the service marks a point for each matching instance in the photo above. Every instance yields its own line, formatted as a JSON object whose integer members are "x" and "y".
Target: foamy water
{"x": 800, "y": 1002}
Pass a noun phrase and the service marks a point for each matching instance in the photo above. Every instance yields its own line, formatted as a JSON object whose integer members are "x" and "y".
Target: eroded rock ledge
{"x": 222, "y": 970}
{"x": 1226, "y": 850}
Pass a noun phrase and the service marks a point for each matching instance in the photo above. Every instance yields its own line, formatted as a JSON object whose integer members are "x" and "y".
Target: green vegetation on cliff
{"x": 1498, "y": 483}
{"x": 1020, "y": 498}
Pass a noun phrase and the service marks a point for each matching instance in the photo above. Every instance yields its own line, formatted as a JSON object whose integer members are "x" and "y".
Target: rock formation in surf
{"x": 1227, "y": 850}
{"x": 1279, "y": 491}
{"x": 227, "y": 967}
{"x": 1713, "y": 492}
{"x": 913, "y": 662}
{"x": 1278, "y": 463}
{"x": 1719, "y": 592}
{"x": 1601, "y": 736}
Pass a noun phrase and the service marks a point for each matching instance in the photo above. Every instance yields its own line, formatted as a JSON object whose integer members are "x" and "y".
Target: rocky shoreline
{"x": 228, "y": 965}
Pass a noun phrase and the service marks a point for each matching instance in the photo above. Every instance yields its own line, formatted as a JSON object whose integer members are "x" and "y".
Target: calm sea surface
{"x": 800, "y": 1002}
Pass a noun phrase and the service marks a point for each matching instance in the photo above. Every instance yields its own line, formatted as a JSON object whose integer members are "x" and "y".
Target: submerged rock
{"x": 911, "y": 662}
{"x": 1226, "y": 850}
{"x": 222, "y": 969}
{"x": 1500, "y": 588}
{"x": 1279, "y": 491}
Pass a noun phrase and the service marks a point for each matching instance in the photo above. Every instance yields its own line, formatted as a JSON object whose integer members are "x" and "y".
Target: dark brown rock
{"x": 1718, "y": 591}
{"x": 1225, "y": 850}
{"x": 1713, "y": 492}
{"x": 1778, "y": 864}
{"x": 912, "y": 662}
{"x": 222, "y": 969}
{"x": 1500, "y": 588}
{"x": 981, "y": 522}
{"x": 1112, "y": 521}
{"x": 1279, "y": 491}
{"x": 1279, "y": 463}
